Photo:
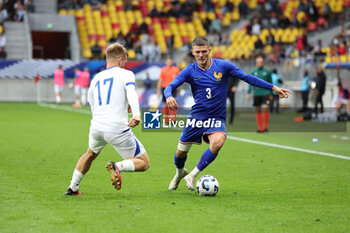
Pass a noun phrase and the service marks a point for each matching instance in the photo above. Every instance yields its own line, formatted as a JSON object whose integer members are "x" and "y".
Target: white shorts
{"x": 126, "y": 144}
{"x": 77, "y": 90}
{"x": 58, "y": 89}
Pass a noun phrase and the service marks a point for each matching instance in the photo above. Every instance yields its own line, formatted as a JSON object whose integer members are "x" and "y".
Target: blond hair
{"x": 115, "y": 51}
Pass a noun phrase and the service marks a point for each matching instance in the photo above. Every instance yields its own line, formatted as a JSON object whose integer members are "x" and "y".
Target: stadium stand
{"x": 173, "y": 24}
{"x": 29, "y": 68}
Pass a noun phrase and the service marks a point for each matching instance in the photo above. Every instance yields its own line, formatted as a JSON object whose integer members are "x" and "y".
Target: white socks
{"x": 126, "y": 166}
{"x": 77, "y": 101}
{"x": 195, "y": 172}
{"x": 76, "y": 178}
{"x": 58, "y": 99}
{"x": 179, "y": 171}
{"x": 83, "y": 99}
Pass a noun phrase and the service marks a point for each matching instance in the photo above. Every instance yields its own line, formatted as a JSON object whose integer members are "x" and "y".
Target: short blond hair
{"x": 200, "y": 41}
{"x": 115, "y": 51}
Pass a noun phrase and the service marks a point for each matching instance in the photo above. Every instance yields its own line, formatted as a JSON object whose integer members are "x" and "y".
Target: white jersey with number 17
{"x": 109, "y": 94}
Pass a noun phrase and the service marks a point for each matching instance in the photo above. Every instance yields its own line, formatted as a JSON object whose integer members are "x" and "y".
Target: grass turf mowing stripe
{"x": 66, "y": 108}
{"x": 71, "y": 109}
{"x": 288, "y": 147}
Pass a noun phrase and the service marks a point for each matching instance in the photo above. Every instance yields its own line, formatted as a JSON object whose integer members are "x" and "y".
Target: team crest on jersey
{"x": 218, "y": 76}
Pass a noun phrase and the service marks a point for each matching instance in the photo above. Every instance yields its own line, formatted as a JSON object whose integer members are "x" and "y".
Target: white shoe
{"x": 189, "y": 179}
{"x": 174, "y": 183}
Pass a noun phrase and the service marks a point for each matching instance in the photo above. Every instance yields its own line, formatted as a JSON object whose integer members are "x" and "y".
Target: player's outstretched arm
{"x": 134, "y": 121}
{"x": 282, "y": 92}
{"x": 172, "y": 104}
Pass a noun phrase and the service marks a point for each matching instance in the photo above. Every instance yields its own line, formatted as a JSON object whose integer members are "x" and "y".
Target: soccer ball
{"x": 207, "y": 186}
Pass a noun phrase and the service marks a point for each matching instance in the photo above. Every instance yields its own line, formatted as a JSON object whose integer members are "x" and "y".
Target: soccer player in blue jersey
{"x": 208, "y": 79}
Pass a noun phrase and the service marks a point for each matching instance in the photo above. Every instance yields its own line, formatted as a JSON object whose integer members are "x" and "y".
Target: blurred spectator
{"x": 312, "y": 11}
{"x": 30, "y": 7}
{"x": 208, "y": 5}
{"x": 275, "y": 102}
{"x": 327, "y": 12}
{"x": 320, "y": 88}
{"x": 232, "y": 84}
{"x": 112, "y": 40}
{"x": 151, "y": 52}
{"x": 274, "y": 21}
{"x": 59, "y": 81}
{"x": 174, "y": 11}
{"x": 225, "y": 39}
{"x": 302, "y": 43}
{"x": 153, "y": 12}
{"x": 341, "y": 99}
{"x": 129, "y": 42}
{"x": 85, "y": 83}
{"x": 243, "y": 8}
{"x": 302, "y": 6}
{"x": 167, "y": 74}
{"x": 121, "y": 40}
{"x": 96, "y": 52}
{"x": 305, "y": 91}
{"x": 134, "y": 29}
{"x": 258, "y": 45}
{"x": 228, "y": 7}
{"x": 256, "y": 27}
{"x": 127, "y": 5}
{"x": 213, "y": 38}
{"x": 2, "y": 45}
{"x": 20, "y": 10}
{"x": 318, "y": 49}
{"x": 342, "y": 48}
{"x": 270, "y": 39}
{"x": 147, "y": 83}
{"x": 283, "y": 22}
{"x": 216, "y": 25}
{"x": 77, "y": 86}
{"x": 4, "y": 14}
{"x": 144, "y": 28}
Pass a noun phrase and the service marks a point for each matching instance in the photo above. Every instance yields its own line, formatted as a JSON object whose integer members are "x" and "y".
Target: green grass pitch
{"x": 262, "y": 189}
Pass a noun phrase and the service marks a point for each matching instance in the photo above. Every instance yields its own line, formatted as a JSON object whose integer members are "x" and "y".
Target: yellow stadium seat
{"x": 235, "y": 15}
{"x": 87, "y": 53}
{"x": 62, "y": 12}
{"x": 211, "y": 15}
{"x": 131, "y": 54}
{"x": 343, "y": 58}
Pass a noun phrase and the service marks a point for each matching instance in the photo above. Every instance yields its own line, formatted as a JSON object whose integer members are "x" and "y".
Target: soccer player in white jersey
{"x": 111, "y": 95}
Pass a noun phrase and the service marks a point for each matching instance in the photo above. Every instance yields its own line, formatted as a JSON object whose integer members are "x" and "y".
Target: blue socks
{"x": 180, "y": 162}
{"x": 206, "y": 159}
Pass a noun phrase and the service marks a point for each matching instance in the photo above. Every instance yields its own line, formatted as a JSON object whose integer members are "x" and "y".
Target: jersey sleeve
{"x": 251, "y": 79}
{"x": 91, "y": 95}
{"x": 178, "y": 81}
{"x": 131, "y": 94}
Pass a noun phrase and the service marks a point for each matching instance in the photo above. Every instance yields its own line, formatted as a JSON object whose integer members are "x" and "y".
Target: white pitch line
{"x": 53, "y": 106}
{"x": 289, "y": 147}
{"x": 66, "y": 108}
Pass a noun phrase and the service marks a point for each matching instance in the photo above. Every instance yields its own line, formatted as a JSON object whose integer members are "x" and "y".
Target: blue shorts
{"x": 192, "y": 134}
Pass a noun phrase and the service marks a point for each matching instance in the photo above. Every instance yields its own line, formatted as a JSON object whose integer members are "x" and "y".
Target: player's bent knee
{"x": 146, "y": 162}
{"x": 90, "y": 154}
{"x": 216, "y": 145}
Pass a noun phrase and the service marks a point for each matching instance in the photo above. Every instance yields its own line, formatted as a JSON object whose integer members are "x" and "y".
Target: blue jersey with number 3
{"x": 209, "y": 86}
